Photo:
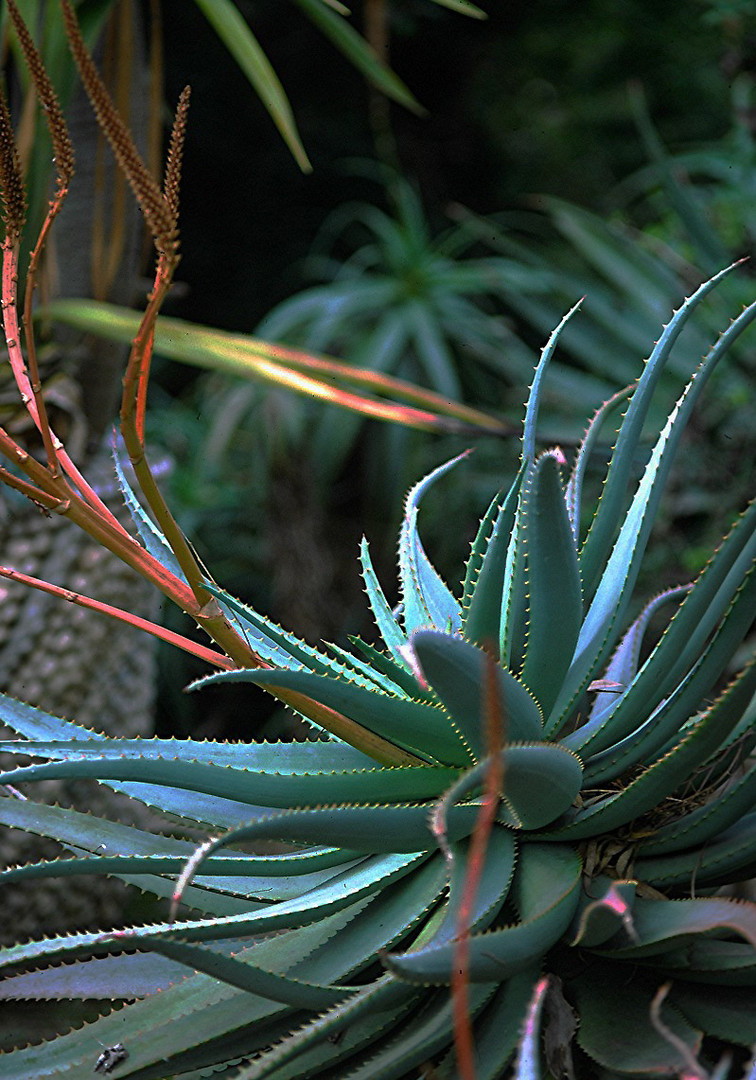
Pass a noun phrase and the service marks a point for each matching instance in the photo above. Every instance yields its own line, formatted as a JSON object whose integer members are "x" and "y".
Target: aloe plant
{"x": 522, "y": 802}
{"x": 520, "y": 784}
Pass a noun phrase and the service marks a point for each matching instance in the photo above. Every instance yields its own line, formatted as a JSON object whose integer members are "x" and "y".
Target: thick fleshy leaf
{"x": 456, "y": 671}
{"x": 701, "y": 824}
{"x": 530, "y": 423}
{"x": 731, "y": 856}
{"x": 371, "y": 1016}
{"x": 247, "y": 976}
{"x": 149, "y": 534}
{"x": 574, "y": 492}
{"x": 659, "y": 924}
{"x": 616, "y": 1029}
{"x": 493, "y": 886}
{"x": 408, "y": 724}
{"x": 35, "y": 723}
{"x": 485, "y": 576}
{"x": 514, "y": 608}
{"x": 406, "y": 681}
{"x": 358, "y": 828}
{"x": 427, "y": 600}
{"x": 110, "y": 977}
{"x": 541, "y": 781}
{"x": 276, "y": 757}
{"x": 555, "y": 605}
{"x": 610, "y": 599}
{"x": 497, "y": 1029}
{"x": 670, "y": 771}
{"x": 729, "y": 1014}
{"x": 423, "y": 1036}
{"x": 682, "y": 643}
{"x": 138, "y": 858}
{"x": 283, "y": 649}
{"x": 248, "y": 785}
{"x": 623, "y": 666}
{"x": 199, "y": 1013}
{"x": 595, "y": 554}
{"x": 545, "y": 892}
{"x": 675, "y": 713}
{"x": 389, "y": 628}
{"x": 712, "y": 962}
{"x": 603, "y": 911}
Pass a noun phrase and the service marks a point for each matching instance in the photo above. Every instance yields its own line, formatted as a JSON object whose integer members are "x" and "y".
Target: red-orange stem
{"x": 161, "y": 632}
{"x": 463, "y": 1028}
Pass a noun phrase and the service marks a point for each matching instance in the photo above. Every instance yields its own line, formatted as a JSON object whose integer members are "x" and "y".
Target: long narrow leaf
{"x": 238, "y": 38}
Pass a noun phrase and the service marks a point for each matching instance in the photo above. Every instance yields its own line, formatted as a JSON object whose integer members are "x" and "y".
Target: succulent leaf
{"x": 574, "y": 493}
{"x": 730, "y": 854}
{"x": 253, "y": 786}
{"x": 604, "y": 912}
{"x": 541, "y": 781}
{"x": 680, "y": 646}
{"x": 545, "y": 891}
{"x": 551, "y": 570}
{"x": 669, "y": 772}
{"x": 387, "y": 624}
{"x": 658, "y": 924}
{"x": 610, "y": 599}
{"x": 623, "y": 666}
{"x": 456, "y": 671}
{"x": 729, "y": 1015}
{"x": 483, "y": 592}
{"x": 110, "y": 977}
{"x": 148, "y": 532}
{"x": 426, "y": 599}
{"x": 530, "y": 423}
{"x": 410, "y": 724}
{"x": 616, "y": 1029}
{"x": 496, "y": 875}
{"x": 667, "y": 719}
{"x": 611, "y": 509}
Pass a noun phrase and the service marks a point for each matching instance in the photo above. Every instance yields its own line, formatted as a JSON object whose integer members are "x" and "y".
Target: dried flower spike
{"x": 157, "y": 213}
{"x": 12, "y": 190}
{"x": 63, "y": 153}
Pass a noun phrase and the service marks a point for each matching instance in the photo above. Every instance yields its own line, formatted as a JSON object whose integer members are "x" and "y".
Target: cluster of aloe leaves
{"x": 623, "y": 790}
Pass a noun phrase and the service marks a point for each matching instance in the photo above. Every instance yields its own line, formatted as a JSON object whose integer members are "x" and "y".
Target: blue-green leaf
{"x": 555, "y": 606}
{"x": 534, "y": 398}
{"x": 389, "y": 628}
{"x": 612, "y": 593}
{"x": 611, "y": 508}
{"x": 427, "y": 600}
{"x": 248, "y": 785}
{"x": 545, "y": 892}
{"x": 406, "y": 723}
{"x": 483, "y": 594}
{"x": 457, "y": 672}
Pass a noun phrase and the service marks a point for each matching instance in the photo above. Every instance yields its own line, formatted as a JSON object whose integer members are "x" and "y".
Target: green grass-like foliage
{"x": 626, "y": 799}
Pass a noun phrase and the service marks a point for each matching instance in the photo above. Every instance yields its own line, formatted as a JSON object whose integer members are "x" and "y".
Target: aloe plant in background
{"x": 621, "y": 798}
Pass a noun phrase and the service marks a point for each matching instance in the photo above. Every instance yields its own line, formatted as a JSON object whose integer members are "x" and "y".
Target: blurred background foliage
{"x": 603, "y": 150}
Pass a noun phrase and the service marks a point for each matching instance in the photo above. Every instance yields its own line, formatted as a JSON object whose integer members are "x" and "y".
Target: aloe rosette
{"x": 625, "y": 799}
